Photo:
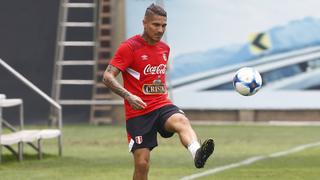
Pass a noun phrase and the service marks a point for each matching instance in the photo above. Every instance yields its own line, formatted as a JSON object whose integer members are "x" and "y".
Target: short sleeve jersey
{"x": 143, "y": 68}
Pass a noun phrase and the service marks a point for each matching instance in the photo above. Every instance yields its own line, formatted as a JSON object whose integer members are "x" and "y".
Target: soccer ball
{"x": 247, "y": 81}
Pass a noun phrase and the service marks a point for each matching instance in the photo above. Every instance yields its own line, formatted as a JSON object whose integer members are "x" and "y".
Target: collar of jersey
{"x": 145, "y": 42}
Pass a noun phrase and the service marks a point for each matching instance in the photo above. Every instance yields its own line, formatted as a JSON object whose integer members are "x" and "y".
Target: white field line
{"x": 250, "y": 161}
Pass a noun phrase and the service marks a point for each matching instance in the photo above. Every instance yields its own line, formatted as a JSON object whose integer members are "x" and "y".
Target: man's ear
{"x": 144, "y": 22}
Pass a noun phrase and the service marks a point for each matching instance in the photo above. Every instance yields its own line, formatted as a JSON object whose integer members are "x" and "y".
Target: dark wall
{"x": 27, "y": 43}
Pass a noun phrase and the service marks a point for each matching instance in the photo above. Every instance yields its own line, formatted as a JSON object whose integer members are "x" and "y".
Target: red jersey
{"x": 143, "y": 68}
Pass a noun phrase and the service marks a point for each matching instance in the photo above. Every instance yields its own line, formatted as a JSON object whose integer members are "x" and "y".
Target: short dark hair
{"x": 155, "y": 9}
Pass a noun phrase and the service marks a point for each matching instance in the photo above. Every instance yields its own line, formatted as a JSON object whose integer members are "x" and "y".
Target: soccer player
{"x": 142, "y": 60}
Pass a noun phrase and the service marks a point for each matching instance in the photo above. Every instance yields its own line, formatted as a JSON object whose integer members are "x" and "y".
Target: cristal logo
{"x": 161, "y": 69}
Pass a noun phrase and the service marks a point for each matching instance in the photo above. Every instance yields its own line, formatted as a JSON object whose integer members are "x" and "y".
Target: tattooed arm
{"x": 109, "y": 79}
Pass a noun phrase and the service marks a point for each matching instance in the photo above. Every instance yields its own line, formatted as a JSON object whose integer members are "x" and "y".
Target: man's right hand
{"x": 110, "y": 81}
{"x": 136, "y": 102}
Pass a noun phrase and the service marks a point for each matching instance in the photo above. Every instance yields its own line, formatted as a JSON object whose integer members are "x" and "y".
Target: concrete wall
{"x": 27, "y": 42}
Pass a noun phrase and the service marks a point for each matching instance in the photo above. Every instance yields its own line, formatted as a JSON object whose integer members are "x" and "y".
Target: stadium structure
{"x": 289, "y": 72}
{"x": 85, "y": 35}
{"x": 64, "y": 52}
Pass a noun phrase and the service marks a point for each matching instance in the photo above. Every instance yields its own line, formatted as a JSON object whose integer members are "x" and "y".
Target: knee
{"x": 142, "y": 165}
{"x": 177, "y": 123}
{"x": 182, "y": 123}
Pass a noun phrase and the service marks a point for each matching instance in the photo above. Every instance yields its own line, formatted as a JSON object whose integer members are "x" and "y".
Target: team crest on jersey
{"x": 144, "y": 57}
{"x": 164, "y": 56}
{"x": 138, "y": 139}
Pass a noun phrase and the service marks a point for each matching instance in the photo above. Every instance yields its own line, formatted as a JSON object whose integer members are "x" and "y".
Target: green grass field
{"x": 101, "y": 152}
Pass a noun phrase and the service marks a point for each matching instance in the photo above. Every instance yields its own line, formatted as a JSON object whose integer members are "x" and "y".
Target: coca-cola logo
{"x": 150, "y": 70}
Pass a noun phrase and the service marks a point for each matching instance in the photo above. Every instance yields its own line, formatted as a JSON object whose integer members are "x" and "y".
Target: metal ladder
{"x": 102, "y": 113}
{"x": 99, "y": 97}
{"x": 67, "y": 25}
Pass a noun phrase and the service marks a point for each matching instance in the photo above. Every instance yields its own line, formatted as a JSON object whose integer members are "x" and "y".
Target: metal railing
{"x": 42, "y": 94}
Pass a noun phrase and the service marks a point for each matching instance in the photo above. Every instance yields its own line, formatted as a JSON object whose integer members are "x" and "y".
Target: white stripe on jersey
{"x": 133, "y": 73}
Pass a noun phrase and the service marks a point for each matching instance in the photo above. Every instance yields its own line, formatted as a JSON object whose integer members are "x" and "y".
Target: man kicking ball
{"x": 142, "y": 60}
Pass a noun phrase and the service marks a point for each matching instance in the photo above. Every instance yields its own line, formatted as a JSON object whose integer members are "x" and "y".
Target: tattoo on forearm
{"x": 113, "y": 84}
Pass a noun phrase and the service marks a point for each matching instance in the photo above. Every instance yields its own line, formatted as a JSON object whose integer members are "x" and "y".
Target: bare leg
{"x": 180, "y": 124}
{"x": 141, "y": 163}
